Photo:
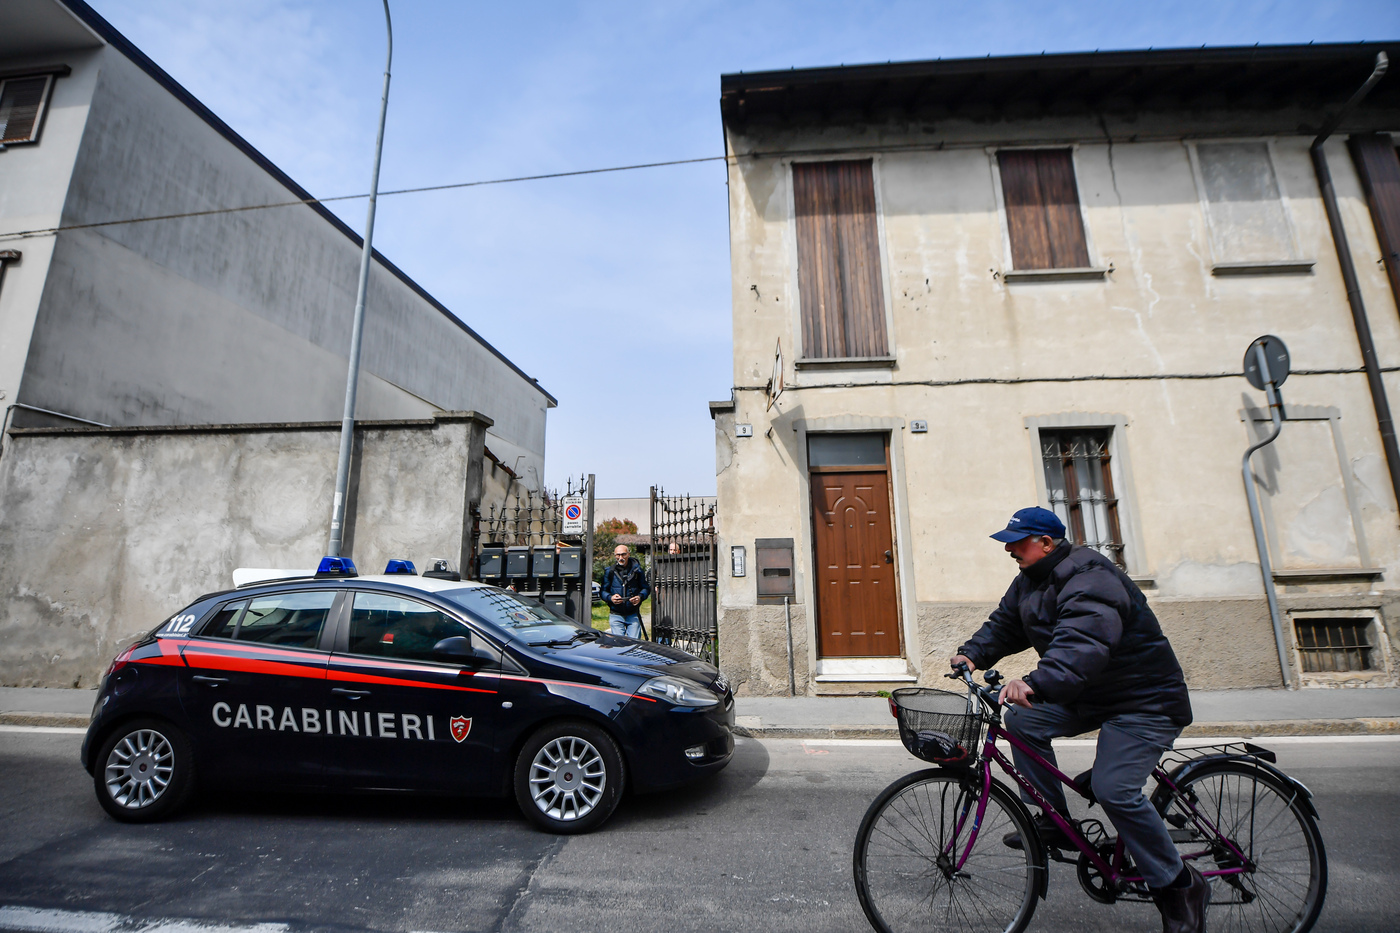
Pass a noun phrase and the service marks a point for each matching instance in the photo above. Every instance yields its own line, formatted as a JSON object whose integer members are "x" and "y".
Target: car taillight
{"x": 119, "y": 661}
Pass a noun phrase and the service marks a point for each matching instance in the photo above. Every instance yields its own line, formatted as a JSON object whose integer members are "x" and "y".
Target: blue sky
{"x": 613, "y": 290}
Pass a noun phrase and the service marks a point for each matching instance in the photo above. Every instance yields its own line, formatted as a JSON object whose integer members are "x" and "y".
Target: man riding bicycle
{"x": 1104, "y": 664}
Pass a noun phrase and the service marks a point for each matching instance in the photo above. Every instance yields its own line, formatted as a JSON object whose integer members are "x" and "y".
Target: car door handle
{"x": 352, "y": 694}
{"x": 206, "y": 679}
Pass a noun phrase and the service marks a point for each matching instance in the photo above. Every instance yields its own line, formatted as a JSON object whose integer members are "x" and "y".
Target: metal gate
{"x": 684, "y": 570}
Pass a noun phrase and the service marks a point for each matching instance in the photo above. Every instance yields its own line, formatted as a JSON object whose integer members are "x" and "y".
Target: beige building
{"x": 995, "y": 283}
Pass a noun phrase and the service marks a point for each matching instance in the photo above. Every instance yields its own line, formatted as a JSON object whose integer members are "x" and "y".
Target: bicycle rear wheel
{"x": 1266, "y": 820}
{"x": 907, "y": 852}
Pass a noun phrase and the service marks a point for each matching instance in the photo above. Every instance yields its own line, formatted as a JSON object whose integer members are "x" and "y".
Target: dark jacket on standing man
{"x": 626, "y": 583}
{"x": 1101, "y": 649}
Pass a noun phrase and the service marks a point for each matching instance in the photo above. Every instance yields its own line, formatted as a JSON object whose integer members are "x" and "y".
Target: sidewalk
{"x": 1236, "y": 713}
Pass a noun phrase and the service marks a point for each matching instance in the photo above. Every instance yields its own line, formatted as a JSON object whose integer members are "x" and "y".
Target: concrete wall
{"x": 227, "y": 318}
{"x": 107, "y": 532}
{"x": 1149, "y": 348}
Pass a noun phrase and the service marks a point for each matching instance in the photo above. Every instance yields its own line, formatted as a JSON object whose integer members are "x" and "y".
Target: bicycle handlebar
{"x": 990, "y": 694}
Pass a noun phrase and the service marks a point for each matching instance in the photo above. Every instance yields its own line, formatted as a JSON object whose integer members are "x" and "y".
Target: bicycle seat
{"x": 1086, "y": 781}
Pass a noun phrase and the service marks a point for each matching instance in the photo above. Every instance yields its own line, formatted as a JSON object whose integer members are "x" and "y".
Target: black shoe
{"x": 1184, "y": 909}
{"x": 1050, "y": 835}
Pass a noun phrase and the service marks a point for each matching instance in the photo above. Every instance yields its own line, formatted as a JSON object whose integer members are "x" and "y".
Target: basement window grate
{"x": 1334, "y": 645}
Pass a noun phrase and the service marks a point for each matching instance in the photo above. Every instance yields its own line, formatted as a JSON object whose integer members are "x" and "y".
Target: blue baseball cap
{"x": 1031, "y": 521}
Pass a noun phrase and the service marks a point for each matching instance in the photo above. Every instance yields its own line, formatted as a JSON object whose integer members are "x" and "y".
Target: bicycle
{"x": 929, "y": 854}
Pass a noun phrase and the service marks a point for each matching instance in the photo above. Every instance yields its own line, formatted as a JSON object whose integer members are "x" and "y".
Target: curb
{"x": 21, "y": 718}
{"x": 1266, "y": 727}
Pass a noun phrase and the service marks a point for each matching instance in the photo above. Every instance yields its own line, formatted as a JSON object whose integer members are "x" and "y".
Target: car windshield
{"x": 521, "y": 615}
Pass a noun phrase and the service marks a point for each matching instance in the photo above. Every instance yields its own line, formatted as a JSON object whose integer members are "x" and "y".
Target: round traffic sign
{"x": 572, "y": 512}
{"x": 1275, "y": 357}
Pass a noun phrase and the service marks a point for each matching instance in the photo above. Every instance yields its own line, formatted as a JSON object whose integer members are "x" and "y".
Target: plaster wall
{"x": 232, "y": 317}
{"x": 34, "y": 180}
{"x": 109, "y": 532}
{"x": 1153, "y": 346}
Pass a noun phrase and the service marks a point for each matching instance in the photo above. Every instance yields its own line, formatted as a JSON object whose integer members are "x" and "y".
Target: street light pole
{"x": 352, "y": 378}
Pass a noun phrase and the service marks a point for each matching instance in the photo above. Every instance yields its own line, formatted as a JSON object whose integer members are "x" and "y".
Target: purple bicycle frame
{"x": 1114, "y": 872}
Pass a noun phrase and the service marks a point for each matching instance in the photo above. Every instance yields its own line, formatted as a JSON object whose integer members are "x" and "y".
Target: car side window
{"x": 287, "y": 620}
{"x": 225, "y": 621}
{"x": 405, "y": 629}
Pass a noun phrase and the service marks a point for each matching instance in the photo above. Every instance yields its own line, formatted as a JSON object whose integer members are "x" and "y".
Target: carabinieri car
{"x": 400, "y": 682}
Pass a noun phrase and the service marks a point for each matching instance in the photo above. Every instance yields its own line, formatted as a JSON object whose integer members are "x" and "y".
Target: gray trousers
{"x": 1129, "y": 746}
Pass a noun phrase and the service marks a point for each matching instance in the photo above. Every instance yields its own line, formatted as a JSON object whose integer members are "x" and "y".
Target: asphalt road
{"x": 764, "y": 846}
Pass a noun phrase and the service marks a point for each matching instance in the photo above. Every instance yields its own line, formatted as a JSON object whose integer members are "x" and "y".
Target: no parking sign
{"x": 573, "y": 516}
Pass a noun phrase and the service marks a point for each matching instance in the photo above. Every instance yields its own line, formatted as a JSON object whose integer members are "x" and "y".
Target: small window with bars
{"x": 22, "y": 103}
{"x": 1079, "y": 481}
{"x": 1329, "y": 646}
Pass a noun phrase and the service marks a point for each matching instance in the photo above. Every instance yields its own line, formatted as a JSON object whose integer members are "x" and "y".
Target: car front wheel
{"x": 145, "y": 771}
{"x": 568, "y": 778}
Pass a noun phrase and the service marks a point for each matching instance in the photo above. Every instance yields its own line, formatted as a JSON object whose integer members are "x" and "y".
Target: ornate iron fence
{"x": 684, "y": 572}
{"x": 526, "y": 517}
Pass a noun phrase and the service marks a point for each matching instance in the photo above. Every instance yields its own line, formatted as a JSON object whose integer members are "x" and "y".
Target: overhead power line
{"x": 49, "y": 231}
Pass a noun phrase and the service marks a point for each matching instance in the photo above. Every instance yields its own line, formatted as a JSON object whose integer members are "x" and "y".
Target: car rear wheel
{"x": 568, "y": 778}
{"x": 145, "y": 771}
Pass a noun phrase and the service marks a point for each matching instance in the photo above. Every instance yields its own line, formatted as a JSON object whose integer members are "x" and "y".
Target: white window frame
{"x": 44, "y": 98}
{"x": 994, "y": 166}
{"x": 886, "y": 285}
{"x": 1120, "y": 469}
{"x": 1285, "y": 263}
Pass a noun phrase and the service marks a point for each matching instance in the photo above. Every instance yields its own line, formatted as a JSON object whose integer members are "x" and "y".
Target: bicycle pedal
{"x": 1059, "y": 855}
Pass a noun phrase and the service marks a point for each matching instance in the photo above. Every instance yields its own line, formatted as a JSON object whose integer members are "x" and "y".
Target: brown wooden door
{"x": 857, "y": 608}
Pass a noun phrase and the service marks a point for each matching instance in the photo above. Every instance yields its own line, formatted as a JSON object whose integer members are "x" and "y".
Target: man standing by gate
{"x": 624, "y": 587}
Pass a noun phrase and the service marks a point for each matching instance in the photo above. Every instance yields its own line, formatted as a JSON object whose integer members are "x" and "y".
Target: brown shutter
{"x": 1379, "y": 168}
{"x": 838, "y": 260}
{"x": 1042, "y": 209}
{"x": 19, "y": 108}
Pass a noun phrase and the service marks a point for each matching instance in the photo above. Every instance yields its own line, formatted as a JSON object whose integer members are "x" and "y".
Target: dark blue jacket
{"x": 1101, "y": 649}
{"x": 627, "y": 583}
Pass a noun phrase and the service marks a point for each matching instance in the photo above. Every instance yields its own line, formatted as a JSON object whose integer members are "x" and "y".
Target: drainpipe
{"x": 1358, "y": 308}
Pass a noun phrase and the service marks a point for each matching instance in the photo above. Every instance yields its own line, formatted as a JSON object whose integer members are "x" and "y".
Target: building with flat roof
{"x": 1002, "y": 282}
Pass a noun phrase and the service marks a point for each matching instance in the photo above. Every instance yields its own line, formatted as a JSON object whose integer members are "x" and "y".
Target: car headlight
{"x": 678, "y": 691}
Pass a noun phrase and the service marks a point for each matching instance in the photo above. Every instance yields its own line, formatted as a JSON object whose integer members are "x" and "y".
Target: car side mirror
{"x": 459, "y": 650}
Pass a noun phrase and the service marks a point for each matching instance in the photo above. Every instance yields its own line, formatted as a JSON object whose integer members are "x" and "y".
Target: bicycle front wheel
{"x": 914, "y": 867}
{"x": 1284, "y": 882}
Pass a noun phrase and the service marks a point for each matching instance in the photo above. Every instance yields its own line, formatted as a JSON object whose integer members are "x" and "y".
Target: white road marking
{"x": 40, "y": 920}
{"x": 47, "y": 730}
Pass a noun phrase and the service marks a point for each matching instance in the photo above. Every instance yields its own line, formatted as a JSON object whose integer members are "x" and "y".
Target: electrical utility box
{"x": 542, "y": 564}
{"x": 570, "y": 563}
{"x": 517, "y": 563}
{"x": 773, "y": 569}
{"x": 492, "y": 565}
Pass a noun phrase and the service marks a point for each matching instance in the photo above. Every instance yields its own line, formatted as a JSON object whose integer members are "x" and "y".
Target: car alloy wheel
{"x": 139, "y": 768}
{"x": 567, "y": 778}
{"x": 144, "y": 771}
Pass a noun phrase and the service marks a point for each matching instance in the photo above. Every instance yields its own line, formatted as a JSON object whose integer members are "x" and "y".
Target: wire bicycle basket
{"x": 937, "y": 725}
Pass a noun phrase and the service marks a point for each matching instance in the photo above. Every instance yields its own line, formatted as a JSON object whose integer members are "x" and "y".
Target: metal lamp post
{"x": 352, "y": 378}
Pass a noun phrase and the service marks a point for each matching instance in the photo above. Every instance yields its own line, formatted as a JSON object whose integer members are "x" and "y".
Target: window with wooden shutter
{"x": 1042, "y": 209}
{"x": 1379, "y": 167}
{"x": 838, "y": 260}
{"x": 21, "y": 107}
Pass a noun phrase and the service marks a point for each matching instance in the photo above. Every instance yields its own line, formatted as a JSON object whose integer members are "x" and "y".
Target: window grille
{"x": 1079, "y": 480}
{"x": 1334, "y": 645}
{"x": 21, "y": 107}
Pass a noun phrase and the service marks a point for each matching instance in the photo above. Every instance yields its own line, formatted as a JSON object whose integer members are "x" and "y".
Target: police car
{"x": 400, "y": 682}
